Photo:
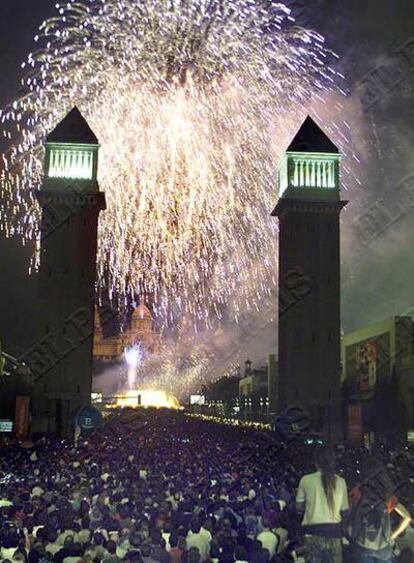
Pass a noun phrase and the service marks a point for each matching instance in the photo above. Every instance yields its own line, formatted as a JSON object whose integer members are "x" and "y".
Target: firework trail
{"x": 134, "y": 356}
{"x": 192, "y": 101}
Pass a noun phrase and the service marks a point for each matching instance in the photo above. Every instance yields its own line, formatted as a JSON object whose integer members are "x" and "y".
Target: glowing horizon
{"x": 141, "y": 398}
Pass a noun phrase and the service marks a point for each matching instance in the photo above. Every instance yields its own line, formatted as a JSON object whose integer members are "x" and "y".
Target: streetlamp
{"x": 249, "y": 401}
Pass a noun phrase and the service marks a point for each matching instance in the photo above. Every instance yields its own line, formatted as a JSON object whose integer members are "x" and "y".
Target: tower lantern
{"x": 72, "y": 152}
{"x": 310, "y": 167}
{"x": 308, "y": 211}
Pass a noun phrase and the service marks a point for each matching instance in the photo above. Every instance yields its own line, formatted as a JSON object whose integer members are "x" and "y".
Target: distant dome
{"x": 141, "y": 312}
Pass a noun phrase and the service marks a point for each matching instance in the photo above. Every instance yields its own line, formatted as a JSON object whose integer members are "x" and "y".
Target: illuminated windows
{"x": 313, "y": 172}
{"x": 71, "y": 163}
{"x": 309, "y": 170}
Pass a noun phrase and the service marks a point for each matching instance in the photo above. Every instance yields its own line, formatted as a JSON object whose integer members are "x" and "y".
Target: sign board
{"x": 88, "y": 419}
{"x": 6, "y": 425}
{"x": 410, "y": 436}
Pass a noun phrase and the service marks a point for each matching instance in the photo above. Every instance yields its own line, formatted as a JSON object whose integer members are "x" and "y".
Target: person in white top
{"x": 323, "y": 498}
{"x": 283, "y": 536}
{"x": 268, "y": 539}
{"x": 52, "y": 546}
{"x": 7, "y": 553}
{"x": 406, "y": 539}
{"x": 204, "y": 532}
{"x": 195, "y": 538}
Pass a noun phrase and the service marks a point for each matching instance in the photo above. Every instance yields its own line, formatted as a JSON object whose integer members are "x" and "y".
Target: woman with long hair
{"x": 322, "y": 496}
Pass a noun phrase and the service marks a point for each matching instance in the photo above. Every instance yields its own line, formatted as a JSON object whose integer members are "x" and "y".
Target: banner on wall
{"x": 367, "y": 361}
{"x": 366, "y": 365}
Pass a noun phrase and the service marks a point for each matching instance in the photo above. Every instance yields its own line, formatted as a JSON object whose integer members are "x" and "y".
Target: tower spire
{"x": 73, "y": 129}
{"x": 311, "y": 138}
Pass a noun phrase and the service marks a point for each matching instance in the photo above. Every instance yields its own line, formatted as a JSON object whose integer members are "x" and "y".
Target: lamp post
{"x": 249, "y": 402}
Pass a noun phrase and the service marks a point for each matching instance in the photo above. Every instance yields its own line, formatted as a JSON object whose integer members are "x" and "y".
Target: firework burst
{"x": 192, "y": 101}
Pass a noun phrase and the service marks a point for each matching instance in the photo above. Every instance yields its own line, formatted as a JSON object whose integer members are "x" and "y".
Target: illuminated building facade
{"x": 308, "y": 211}
{"x": 256, "y": 383}
{"x": 378, "y": 378}
{"x": 140, "y": 331}
{"x": 259, "y": 386}
{"x": 70, "y": 201}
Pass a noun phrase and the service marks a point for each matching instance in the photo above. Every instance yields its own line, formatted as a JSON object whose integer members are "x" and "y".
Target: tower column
{"x": 309, "y": 258}
{"x": 70, "y": 201}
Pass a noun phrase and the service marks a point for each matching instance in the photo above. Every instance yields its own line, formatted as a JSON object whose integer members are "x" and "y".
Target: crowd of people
{"x": 158, "y": 486}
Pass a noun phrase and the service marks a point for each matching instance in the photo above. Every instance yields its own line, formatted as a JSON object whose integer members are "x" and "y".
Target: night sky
{"x": 19, "y": 21}
{"x": 378, "y": 274}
